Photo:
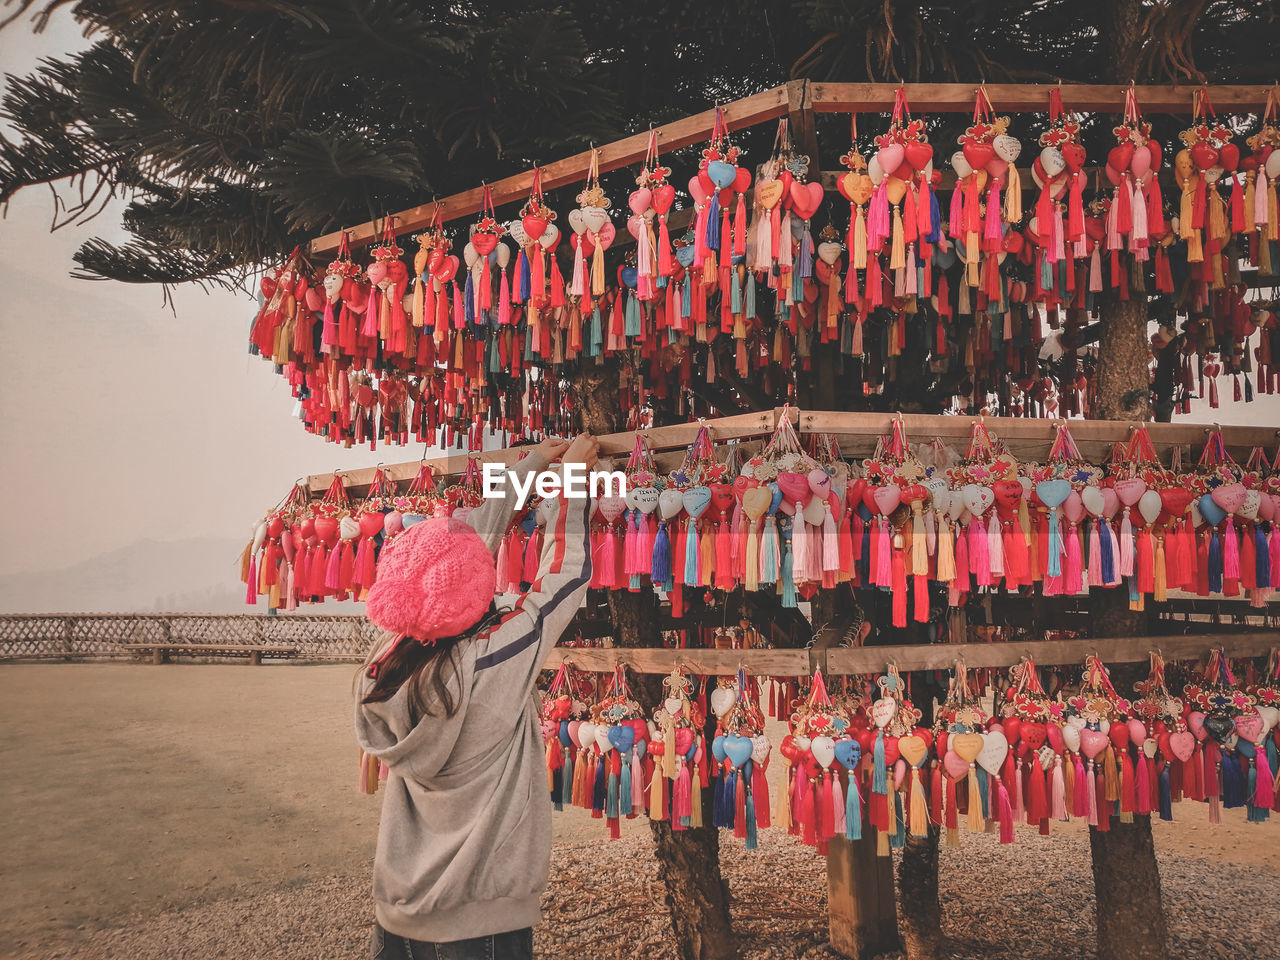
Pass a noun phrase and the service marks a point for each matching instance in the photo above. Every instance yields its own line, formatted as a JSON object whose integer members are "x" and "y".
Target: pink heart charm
{"x": 1183, "y": 745}
{"x": 955, "y": 766}
{"x": 1230, "y": 497}
{"x": 1249, "y": 727}
{"x": 1093, "y": 742}
{"x": 888, "y": 498}
{"x": 1195, "y": 723}
{"x": 1130, "y": 491}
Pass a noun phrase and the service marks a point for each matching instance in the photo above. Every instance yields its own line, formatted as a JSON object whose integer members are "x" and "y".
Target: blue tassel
{"x": 1215, "y": 563}
{"x": 864, "y": 558}
{"x": 713, "y": 222}
{"x": 935, "y": 217}
{"x": 898, "y": 840}
{"x": 751, "y": 295}
{"x": 1055, "y": 545}
{"x": 852, "y": 810}
{"x": 879, "y": 773}
{"x": 661, "y": 555}
{"x": 768, "y": 550}
{"x": 1232, "y": 782}
{"x": 691, "y": 555}
{"x": 1264, "y": 556}
{"x": 686, "y": 298}
{"x": 495, "y": 359}
{"x": 632, "y": 328}
{"x": 1252, "y": 816}
{"x": 522, "y": 274}
{"x": 984, "y": 793}
{"x": 806, "y": 254}
{"x": 469, "y": 299}
{"x": 599, "y": 791}
{"x": 566, "y": 796}
{"x": 752, "y": 843}
{"x": 735, "y": 294}
{"x": 797, "y": 287}
{"x": 611, "y": 794}
{"x": 1108, "y": 559}
{"x": 624, "y": 789}
{"x": 557, "y": 788}
{"x": 1046, "y": 274}
{"x": 719, "y": 784}
{"x": 788, "y": 585}
{"x": 1133, "y": 588}
{"x": 1165, "y": 793}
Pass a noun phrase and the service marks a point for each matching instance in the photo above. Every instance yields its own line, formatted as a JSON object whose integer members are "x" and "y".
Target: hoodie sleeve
{"x": 516, "y": 648}
{"x": 492, "y": 518}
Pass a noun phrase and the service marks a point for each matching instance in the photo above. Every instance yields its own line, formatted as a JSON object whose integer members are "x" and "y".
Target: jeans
{"x": 515, "y": 945}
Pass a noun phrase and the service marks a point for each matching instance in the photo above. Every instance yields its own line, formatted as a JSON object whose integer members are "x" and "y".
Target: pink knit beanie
{"x": 434, "y": 580}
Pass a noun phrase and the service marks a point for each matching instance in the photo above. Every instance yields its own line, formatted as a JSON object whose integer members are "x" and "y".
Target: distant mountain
{"x": 195, "y": 576}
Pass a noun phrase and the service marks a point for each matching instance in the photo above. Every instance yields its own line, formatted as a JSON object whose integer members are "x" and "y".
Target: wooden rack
{"x": 1027, "y": 438}
{"x": 928, "y": 656}
{"x": 800, "y": 100}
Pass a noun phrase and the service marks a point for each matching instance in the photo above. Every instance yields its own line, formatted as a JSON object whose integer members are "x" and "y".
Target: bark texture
{"x": 688, "y": 860}
{"x": 919, "y": 913}
{"x": 1124, "y": 357}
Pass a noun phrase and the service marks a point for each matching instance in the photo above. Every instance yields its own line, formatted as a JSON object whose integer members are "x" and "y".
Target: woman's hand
{"x": 552, "y": 449}
{"x": 585, "y": 449}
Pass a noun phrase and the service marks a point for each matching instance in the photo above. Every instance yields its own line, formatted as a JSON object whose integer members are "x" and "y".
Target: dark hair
{"x": 424, "y": 668}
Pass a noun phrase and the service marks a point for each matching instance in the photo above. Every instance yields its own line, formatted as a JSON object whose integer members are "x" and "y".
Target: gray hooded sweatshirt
{"x": 464, "y": 846}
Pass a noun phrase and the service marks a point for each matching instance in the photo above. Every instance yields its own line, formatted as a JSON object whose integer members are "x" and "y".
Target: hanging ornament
{"x": 856, "y": 187}
{"x": 537, "y": 276}
{"x": 985, "y": 165}
{"x": 1262, "y": 171}
{"x": 1203, "y": 219}
{"x": 903, "y": 210}
{"x": 1091, "y": 716}
{"x": 1059, "y": 173}
{"x": 593, "y": 233}
{"x": 1132, "y": 167}
{"x": 820, "y": 796}
{"x": 675, "y": 741}
{"x": 1232, "y": 765}
{"x": 741, "y": 753}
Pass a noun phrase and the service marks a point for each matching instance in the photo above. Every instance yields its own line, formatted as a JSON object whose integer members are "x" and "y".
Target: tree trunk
{"x": 919, "y": 912}
{"x": 688, "y": 860}
{"x": 1126, "y": 877}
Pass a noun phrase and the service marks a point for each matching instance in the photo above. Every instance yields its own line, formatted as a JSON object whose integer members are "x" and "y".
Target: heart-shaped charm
{"x": 795, "y": 486}
{"x": 1230, "y": 497}
{"x": 1093, "y": 501}
{"x": 1182, "y": 744}
{"x": 977, "y": 499}
{"x": 696, "y": 500}
{"x": 1053, "y": 493}
{"x": 760, "y": 748}
{"x": 1219, "y": 727}
{"x": 738, "y": 749}
{"x": 670, "y": 503}
{"x": 586, "y": 734}
{"x": 603, "y": 742}
{"x": 644, "y": 499}
{"x": 956, "y": 767}
{"x": 611, "y": 508}
{"x": 1150, "y": 505}
{"x": 913, "y": 749}
{"x": 756, "y": 501}
{"x": 995, "y": 747}
{"x": 823, "y": 750}
{"x": 722, "y": 700}
{"x": 969, "y": 745}
{"x": 848, "y": 753}
{"x": 1209, "y": 509}
{"x": 883, "y": 710}
{"x": 887, "y": 498}
{"x": 674, "y": 706}
{"x": 1093, "y": 742}
{"x": 1130, "y": 490}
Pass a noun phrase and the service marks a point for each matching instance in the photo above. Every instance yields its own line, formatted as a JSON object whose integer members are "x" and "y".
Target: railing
{"x": 73, "y": 636}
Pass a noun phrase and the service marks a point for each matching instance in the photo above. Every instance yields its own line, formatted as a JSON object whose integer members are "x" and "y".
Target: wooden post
{"x": 861, "y": 912}
{"x": 255, "y": 657}
{"x": 159, "y": 655}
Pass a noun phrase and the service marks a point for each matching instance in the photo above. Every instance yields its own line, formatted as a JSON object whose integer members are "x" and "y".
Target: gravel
{"x": 1033, "y": 898}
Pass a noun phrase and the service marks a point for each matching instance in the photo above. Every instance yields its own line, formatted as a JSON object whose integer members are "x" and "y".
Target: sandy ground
{"x": 191, "y": 810}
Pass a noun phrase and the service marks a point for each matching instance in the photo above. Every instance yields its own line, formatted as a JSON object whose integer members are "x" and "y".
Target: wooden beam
{"x": 662, "y": 660}
{"x": 613, "y": 444}
{"x": 1029, "y": 97}
{"x": 749, "y": 111}
{"x": 943, "y": 656}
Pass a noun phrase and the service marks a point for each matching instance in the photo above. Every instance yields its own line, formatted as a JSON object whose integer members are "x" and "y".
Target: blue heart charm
{"x": 528, "y": 522}
{"x": 1052, "y": 493}
{"x": 722, "y": 174}
{"x": 738, "y": 749}
{"x": 409, "y": 519}
{"x": 1209, "y": 509}
{"x": 684, "y": 255}
{"x": 848, "y": 753}
{"x": 565, "y": 739}
{"x": 777, "y": 497}
{"x": 622, "y": 738}
{"x": 717, "y": 749}
{"x": 696, "y": 501}
{"x": 629, "y": 277}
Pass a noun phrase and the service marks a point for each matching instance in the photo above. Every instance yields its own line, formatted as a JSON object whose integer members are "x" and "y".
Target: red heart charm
{"x": 741, "y": 180}
{"x": 1074, "y": 155}
{"x": 663, "y": 197}
{"x": 484, "y": 243}
{"x": 1120, "y": 156}
{"x": 855, "y": 492}
{"x": 1229, "y": 157}
{"x": 1176, "y": 501}
{"x": 1034, "y": 735}
{"x": 978, "y": 154}
{"x": 533, "y": 225}
{"x": 1204, "y": 155}
{"x": 918, "y": 154}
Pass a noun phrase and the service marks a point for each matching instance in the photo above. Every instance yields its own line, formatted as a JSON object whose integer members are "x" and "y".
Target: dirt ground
{"x": 134, "y": 791}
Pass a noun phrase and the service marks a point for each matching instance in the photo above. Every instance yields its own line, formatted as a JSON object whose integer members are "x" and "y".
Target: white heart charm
{"x": 674, "y": 705}
{"x": 586, "y": 734}
{"x": 670, "y": 503}
{"x": 1071, "y": 735}
{"x": 977, "y": 498}
{"x": 576, "y": 221}
{"x": 995, "y": 747}
{"x": 824, "y": 751}
{"x": 722, "y": 699}
{"x": 760, "y": 747}
{"x": 602, "y": 738}
{"x": 1047, "y": 757}
{"x": 1093, "y": 501}
{"x": 882, "y": 711}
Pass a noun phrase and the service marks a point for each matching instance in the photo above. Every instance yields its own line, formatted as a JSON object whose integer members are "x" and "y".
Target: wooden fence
{"x": 75, "y": 636}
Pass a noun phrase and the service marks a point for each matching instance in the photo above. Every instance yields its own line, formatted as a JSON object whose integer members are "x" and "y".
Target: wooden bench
{"x": 160, "y": 651}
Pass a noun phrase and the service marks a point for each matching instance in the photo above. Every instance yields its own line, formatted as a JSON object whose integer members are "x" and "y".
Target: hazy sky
{"x": 120, "y": 420}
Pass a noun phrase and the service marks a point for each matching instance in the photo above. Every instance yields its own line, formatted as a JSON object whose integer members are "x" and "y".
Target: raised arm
{"x": 492, "y": 518}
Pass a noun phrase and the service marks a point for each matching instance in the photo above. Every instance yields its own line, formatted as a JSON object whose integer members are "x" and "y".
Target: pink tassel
{"x": 504, "y": 300}
{"x": 531, "y": 554}
{"x": 251, "y": 585}
{"x": 1275, "y": 554}
{"x": 884, "y": 554}
{"x": 1080, "y": 805}
{"x": 333, "y": 570}
{"x": 1091, "y": 787}
{"x": 629, "y": 547}
{"x": 1264, "y": 793}
{"x": 1126, "y": 545}
{"x": 830, "y": 543}
{"x": 1260, "y": 199}
{"x": 1058, "y": 793}
{"x": 1142, "y": 780}
{"x": 1230, "y": 551}
{"x": 995, "y": 548}
{"x": 1075, "y": 574}
{"x": 1006, "y": 812}
{"x": 838, "y": 821}
{"x": 740, "y": 226}
{"x": 1019, "y": 810}
{"x": 682, "y": 800}
{"x": 799, "y": 549}
{"x": 956, "y": 230}
{"x": 979, "y": 564}
{"x": 993, "y": 229}
{"x": 459, "y": 310}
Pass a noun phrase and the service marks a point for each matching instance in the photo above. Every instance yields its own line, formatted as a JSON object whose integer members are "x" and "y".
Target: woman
{"x": 446, "y": 702}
